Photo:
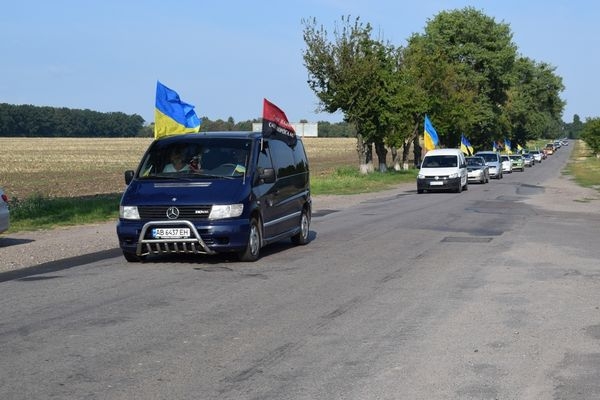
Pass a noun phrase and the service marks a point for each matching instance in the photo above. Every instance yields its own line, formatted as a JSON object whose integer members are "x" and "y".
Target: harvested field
{"x": 72, "y": 167}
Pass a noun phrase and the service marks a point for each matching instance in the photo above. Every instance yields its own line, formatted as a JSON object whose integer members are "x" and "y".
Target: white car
{"x": 506, "y": 163}
{"x": 537, "y": 155}
{"x": 4, "y": 212}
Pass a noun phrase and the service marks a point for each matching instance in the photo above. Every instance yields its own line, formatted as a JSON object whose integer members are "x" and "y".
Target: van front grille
{"x": 185, "y": 212}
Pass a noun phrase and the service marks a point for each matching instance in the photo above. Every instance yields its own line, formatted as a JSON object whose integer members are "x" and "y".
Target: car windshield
{"x": 214, "y": 157}
{"x": 475, "y": 162}
{"x": 489, "y": 157}
{"x": 505, "y": 158}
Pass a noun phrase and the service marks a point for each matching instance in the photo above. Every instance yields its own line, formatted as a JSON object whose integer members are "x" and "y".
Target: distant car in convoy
{"x": 493, "y": 161}
{"x": 517, "y": 162}
{"x": 528, "y": 160}
{"x": 537, "y": 155}
{"x": 506, "y": 164}
{"x": 477, "y": 170}
{"x": 549, "y": 148}
{"x": 4, "y": 212}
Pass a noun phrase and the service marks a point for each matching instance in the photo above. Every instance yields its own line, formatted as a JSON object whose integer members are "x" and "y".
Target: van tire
{"x": 301, "y": 238}
{"x": 252, "y": 251}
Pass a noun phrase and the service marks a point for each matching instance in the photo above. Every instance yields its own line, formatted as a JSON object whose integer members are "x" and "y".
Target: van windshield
{"x": 440, "y": 161}
{"x": 214, "y": 157}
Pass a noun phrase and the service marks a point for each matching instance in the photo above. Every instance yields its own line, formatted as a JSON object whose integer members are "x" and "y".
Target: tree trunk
{"x": 414, "y": 140}
{"x": 417, "y": 148}
{"x": 364, "y": 154}
{"x": 395, "y": 161}
{"x": 381, "y": 156}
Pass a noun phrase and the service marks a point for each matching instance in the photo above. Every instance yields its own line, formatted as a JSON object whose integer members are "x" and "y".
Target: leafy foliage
{"x": 591, "y": 134}
{"x": 33, "y": 121}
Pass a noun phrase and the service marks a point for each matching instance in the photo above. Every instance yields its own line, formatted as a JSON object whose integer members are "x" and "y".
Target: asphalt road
{"x": 478, "y": 295}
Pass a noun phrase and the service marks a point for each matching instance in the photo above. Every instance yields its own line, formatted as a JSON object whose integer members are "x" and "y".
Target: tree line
{"x": 36, "y": 121}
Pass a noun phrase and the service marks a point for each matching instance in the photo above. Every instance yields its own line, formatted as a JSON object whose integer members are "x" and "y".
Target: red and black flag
{"x": 276, "y": 125}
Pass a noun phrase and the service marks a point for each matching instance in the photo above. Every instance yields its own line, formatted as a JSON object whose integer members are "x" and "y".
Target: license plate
{"x": 436, "y": 183}
{"x": 170, "y": 233}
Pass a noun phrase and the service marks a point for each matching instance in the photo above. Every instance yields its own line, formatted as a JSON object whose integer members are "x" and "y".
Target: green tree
{"x": 353, "y": 73}
{"x": 466, "y": 61}
{"x": 534, "y": 106}
{"x": 573, "y": 129}
{"x": 591, "y": 134}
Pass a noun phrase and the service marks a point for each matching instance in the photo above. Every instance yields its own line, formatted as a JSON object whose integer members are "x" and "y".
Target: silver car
{"x": 477, "y": 170}
{"x": 492, "y": 159}
{"x": 4, "y": 212}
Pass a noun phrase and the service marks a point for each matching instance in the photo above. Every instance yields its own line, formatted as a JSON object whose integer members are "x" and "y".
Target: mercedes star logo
{"x": 172, "y": 212}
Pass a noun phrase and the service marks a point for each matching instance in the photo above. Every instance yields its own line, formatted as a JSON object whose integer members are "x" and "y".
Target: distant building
{"x": 303, "y": 129}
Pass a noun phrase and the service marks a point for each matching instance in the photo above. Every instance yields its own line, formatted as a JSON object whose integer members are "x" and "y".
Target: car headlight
{"x": 129, "y": 212}
{"x": 421, "y": 176}
{"x": 226, "y": 211}
{"x": 453, "y": 175}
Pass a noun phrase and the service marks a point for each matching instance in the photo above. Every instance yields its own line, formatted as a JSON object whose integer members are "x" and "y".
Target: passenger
{"x": 177, "y": 163}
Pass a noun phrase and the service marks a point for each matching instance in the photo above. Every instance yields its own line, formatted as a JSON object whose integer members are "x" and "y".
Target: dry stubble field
{"x": 72, "y": 167}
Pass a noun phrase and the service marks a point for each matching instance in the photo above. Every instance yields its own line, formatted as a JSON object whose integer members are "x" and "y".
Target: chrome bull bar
{"x": 191, "y": 245}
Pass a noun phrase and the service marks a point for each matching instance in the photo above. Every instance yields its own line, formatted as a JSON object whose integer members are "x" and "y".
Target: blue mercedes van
{"x": 215, "y": 192}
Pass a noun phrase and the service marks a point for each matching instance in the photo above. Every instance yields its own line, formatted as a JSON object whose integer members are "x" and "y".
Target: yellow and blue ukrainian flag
{"x": 465, "y": 145}
{"x": 171, "y": 115}
{"x": 430, "y": 137}
{"x": 507, "y": 146}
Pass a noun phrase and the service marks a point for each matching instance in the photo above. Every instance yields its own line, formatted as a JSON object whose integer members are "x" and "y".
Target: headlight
{"x": 129, "y": 212}
{"x": 421, "y": 176}
{"x": 226, "y": 211}
{"x": 454, "y": 175}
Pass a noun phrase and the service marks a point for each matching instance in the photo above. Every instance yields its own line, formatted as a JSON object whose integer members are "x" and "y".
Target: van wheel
{"x": 132, "y": 257}
{"x": 466, "y": 186}
{"x": 252, "y": 250}
{"x": 301, "y": 237}
{"x": 459, "y": 188}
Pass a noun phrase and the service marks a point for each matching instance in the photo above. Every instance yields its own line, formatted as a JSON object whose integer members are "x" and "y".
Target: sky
{"x": 225, "y": 57}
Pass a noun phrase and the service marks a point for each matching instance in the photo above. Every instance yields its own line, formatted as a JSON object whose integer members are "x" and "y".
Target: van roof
{"x": 218, "y": 135}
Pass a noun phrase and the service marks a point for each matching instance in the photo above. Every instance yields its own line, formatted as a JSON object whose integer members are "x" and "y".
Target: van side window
{"x": 283, "y": 158}
{"x": 264, "y": 158}
{"x": 300, "y": 157}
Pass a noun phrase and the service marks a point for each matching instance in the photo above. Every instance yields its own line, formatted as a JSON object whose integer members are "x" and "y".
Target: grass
{"x": 348, "y": 180}
{"x": 584, "y": 166}
{"x": 42, "y": 212}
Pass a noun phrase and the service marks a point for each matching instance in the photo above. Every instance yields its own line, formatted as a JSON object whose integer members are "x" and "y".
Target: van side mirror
{"x": 267, "y": 175}
{"x": 129, "y": 176}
